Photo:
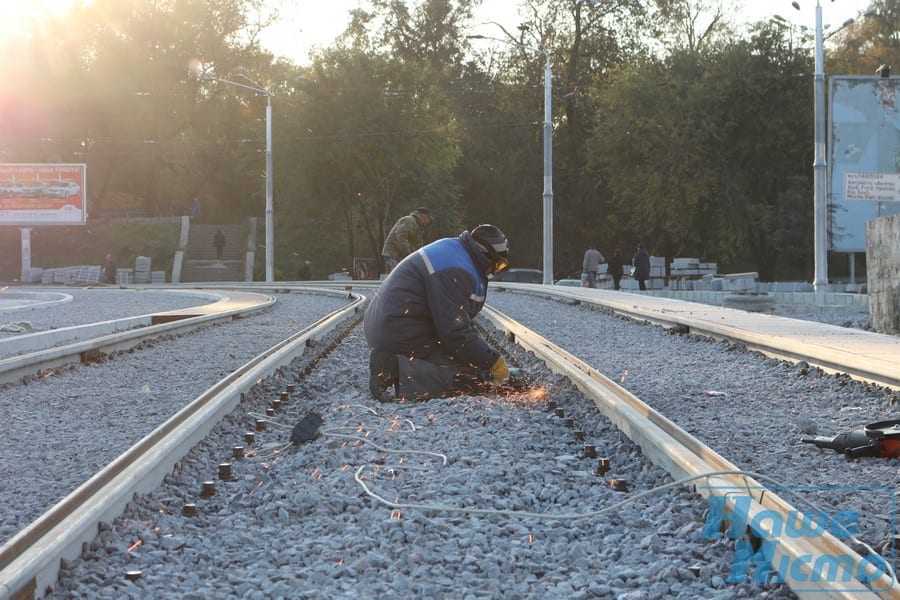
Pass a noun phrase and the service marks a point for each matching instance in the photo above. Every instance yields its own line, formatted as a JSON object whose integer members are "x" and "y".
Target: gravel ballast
{"x": 64, "y": 426}
{"x": 295, "y": 523}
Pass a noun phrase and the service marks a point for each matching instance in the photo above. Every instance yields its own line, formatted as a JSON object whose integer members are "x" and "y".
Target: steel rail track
{"x": 120, "y": 334}
{"x": 831, "y": 355}
{"x": 881, "y": 367}
{"x": 684, "y": 456}
{"x": 662, "y": 441}
{"x": 30, "y": 561}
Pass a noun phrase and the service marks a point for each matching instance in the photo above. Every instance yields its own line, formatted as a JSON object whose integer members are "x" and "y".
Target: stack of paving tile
{"x": 683, "y": 273}
{"x": 124, "y": 276}
{"x": 88, "y": 274}
{"x": 142, "y": 269}
{"x": 739, "y": 282}
{"x": 32, "y": 275}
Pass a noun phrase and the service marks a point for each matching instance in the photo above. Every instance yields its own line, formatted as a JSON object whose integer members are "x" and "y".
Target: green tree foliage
{"x": 109, "y": 86}
{"x": 586, "y": 41}
{"x": 379, "y": 143}
{"x": 873, "y": 40}
{"x": 701, "y": 153}
{"x": 669, "y": 126}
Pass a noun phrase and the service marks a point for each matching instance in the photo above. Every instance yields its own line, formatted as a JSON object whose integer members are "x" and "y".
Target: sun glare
{"x": 18, "y": 16}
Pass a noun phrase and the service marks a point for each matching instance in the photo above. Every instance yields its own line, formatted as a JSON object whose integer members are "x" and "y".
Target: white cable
{"x": 377, "y": 447}
{"x": 522, "y": 513}
{"x": 272, "y": 452}
{"x": 268, "y": 419}
{"x": 363, "y": 406}
{"x": 572, "y": 516}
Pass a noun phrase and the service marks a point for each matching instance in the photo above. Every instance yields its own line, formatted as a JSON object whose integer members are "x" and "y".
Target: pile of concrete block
{"x": 707, "y": 283}
{"x": 88, "y": 274}
{"x": 81, "y": 274}
{"x": 33, "y": 275}
{"x": 785, "y": 287}
{"x": 124, "y": 276}
{"x": 684, "y": 272}
{"x": 142, "y": 269}
{"x": 691, "y": 268}
{"x": 739, "y": 282}
{"x": 157, "y": 277}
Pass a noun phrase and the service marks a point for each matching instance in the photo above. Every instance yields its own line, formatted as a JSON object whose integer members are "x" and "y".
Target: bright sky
{"x": 304, "y": 24}
{"x": 308, "y": 23}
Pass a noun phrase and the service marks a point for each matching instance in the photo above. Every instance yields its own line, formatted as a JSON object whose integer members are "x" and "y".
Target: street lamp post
{"x": 270, "y": 244}
{"x": 820, "y": 182}
{"x": 548, "y": 175}
{"x": 548, "y": 155}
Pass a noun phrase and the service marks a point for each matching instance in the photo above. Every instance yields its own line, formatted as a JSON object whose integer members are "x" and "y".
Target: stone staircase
{"x": 200, "y": 263}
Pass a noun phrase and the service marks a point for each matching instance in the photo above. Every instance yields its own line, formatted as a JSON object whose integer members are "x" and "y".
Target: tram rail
{"x": 49, "y": 349}
{"x": 29, "y": 562}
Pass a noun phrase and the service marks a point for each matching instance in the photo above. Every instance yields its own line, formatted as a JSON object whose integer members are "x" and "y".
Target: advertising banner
{"x": 863, "y": 157}
{"x": 42, "y": 194}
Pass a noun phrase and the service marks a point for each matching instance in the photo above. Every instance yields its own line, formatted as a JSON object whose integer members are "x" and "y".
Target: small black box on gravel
{"x": 307, "y": 428}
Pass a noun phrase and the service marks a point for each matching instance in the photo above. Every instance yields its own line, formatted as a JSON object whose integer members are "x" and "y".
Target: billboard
{"x": 42, "y": 194}
{"x": 863, "y": 157}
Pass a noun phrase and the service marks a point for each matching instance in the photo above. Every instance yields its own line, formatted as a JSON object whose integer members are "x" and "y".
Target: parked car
{"x": 519, "y": 276}
{"x": 61, "y": 189}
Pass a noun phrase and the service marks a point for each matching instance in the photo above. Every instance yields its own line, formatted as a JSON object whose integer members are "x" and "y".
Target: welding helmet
{"x": 494, "y": 244}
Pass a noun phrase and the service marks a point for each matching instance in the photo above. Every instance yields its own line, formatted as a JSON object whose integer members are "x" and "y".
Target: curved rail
{"x": 29, "y": 562}
{"x": 96, "y": 339}
{"x": 684, "y": 456}
{"x": 662, "y": 441}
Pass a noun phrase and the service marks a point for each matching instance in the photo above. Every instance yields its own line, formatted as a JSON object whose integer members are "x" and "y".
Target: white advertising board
{"x": 36, "y": 194}
{"x": 863, "y": 156}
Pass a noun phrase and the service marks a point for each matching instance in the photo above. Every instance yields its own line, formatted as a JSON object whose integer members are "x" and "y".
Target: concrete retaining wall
{"x": 883, "y": 273}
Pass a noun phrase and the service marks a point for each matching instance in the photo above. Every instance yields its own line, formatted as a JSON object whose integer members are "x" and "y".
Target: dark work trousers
{"x": 436, "y": 376}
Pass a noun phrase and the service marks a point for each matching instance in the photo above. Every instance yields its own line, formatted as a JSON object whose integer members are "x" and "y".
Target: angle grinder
{"x": 880, "y": 439}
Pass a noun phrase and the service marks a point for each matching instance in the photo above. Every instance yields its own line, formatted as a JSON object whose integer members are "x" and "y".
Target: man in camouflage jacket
{"x": 405, "y": 237}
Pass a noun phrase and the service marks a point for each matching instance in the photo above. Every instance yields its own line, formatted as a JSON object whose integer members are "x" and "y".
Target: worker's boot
{"x": 384, "y": 373}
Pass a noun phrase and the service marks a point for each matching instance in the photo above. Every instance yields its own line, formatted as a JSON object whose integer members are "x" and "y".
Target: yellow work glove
{"x": 500, "y": 372}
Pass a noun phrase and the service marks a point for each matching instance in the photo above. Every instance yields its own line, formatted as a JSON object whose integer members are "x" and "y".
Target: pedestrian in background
{"x": 616, "y": 268}
{"x": 305, "y": 271}
{"x": 405, "y": 237}
{"x": 641, "y": 263}
{"x": 590, "y": 265}
{"x": 196, "y": 211}
{"x": 109, "y": 270}
{"x": 219, "y": 243}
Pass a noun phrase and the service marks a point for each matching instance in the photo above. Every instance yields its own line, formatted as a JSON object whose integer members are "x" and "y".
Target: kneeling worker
{"x": 419, "y": 323}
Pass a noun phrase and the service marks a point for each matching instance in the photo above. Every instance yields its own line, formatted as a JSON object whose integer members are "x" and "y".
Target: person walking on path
{"x": 590, "y": 264}
{"x": 641, "y": 262}
{"x": 109, "y": 270}
{"x": 305, "y": 270}
{"x": 196, "y": 211}
{"x": 616, "y": 268}
{"x": 405, "y": 237}
{"x": 219, "y": 243}
{"x": 419, "y": 323}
